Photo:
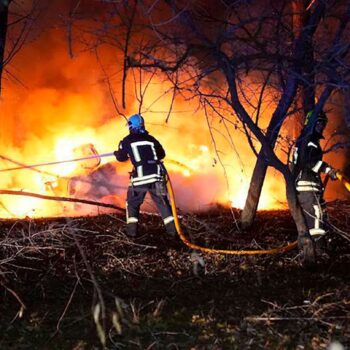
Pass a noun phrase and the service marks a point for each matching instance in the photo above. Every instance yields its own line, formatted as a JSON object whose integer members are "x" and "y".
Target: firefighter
{"x": 148, "y": 175}
{"x": 307, "y": 168}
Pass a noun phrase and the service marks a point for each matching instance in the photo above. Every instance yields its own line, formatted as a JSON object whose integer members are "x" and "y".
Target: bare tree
{"x": 4, "y": 4}
{"x": 15, "y": 27}
{"x": 305, "y": 70}
{"x": 217, "y": 53}
{"x": 303, "y": 28}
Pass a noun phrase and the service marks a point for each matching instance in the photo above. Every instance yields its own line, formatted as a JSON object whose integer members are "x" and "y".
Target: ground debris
{"x": 153, "y": 292}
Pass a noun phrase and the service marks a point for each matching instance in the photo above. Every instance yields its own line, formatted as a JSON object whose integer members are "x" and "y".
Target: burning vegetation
{"x": 63, "y": 110}
{"x": 225, "y": 89}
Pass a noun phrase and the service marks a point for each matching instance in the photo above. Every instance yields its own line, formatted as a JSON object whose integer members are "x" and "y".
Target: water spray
{"x": 33, "y": 166}
{"x": 57, "y": 162}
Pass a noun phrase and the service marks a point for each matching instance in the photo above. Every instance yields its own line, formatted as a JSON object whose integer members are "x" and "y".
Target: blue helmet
{"x": 136, "y": 123}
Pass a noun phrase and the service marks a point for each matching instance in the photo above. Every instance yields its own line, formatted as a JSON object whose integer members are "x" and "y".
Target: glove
{"x": 115, "y": 153}
{"x": 332, "y": 174}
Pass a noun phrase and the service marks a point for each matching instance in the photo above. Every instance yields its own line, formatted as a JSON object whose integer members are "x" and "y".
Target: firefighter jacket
{"x": 308, "y": 164}
{"x": 145, "y": 153}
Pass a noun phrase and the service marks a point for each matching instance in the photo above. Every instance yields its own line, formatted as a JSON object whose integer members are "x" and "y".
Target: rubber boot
{"x": 171, "y": 229}
{"x": 131, "y": 229}
{"x": 320, "y": 246}
{"x": 306, "y": 246}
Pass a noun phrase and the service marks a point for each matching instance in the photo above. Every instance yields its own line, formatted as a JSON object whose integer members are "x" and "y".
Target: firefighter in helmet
{"x": 307, "y": 168}
{"x": 148, "y": 175}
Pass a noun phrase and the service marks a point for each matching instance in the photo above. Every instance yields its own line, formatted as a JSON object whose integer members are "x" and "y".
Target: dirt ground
{"x": 72, "y": 283}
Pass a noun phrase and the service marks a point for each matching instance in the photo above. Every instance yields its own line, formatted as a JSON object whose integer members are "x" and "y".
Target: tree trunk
{"x": 303, "y": 52}
{"x": 259, "y": 173}
{"x": 294, "y": 206}
{"x": 258, "y": 177}
{"x": 252, "y": 201}
{"x": 3, "y": 32}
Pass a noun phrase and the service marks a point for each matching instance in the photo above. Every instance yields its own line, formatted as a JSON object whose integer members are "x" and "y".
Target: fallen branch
{"x": 65, "y": 309}
{"x": 60, "y": 199}
{"x": 268, "y": 319}
{"x": 15, "y": 295}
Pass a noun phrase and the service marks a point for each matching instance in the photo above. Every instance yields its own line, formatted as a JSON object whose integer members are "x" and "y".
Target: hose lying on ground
{"x": 182, "y": 236}
{"x": 191, "y": 245}
{"x": 186, "y": 241}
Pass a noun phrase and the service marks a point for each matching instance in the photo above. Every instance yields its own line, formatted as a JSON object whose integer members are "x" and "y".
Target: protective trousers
{"x": 313, "y": 206}
{"x": 136, "y": 196}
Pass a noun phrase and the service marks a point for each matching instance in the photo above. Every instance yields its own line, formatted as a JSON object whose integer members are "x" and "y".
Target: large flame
{"x": 66, "y": 105}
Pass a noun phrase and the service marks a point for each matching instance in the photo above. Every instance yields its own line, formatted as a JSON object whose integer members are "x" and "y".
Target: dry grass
{"x": 78, "y": 283}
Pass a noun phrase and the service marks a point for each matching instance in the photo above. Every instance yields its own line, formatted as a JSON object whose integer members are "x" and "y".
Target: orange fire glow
{"x": 66, "y": 104}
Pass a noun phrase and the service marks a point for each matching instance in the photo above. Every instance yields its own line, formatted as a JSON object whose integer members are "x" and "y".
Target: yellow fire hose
{"x": 343, "y": 180}
{"x": 186, "y": 241}
{"x": 182, "y": 236}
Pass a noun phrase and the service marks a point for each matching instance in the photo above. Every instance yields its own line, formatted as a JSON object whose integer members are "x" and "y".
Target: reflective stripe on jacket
{"x": 145, "y": 153}
{"x": 307, "y": 159}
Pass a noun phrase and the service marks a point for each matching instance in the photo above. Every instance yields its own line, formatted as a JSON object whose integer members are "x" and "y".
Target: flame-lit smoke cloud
{"x": 65, "y": 103}
{"x": 62, "y": 103}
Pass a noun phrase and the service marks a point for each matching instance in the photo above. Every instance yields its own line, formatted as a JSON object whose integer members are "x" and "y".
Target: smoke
{"x": 64, "y": 103}
{"x": 56, "y": 104}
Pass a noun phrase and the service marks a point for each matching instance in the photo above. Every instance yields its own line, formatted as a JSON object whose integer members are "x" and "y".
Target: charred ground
{"x": 161, "y": 295}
